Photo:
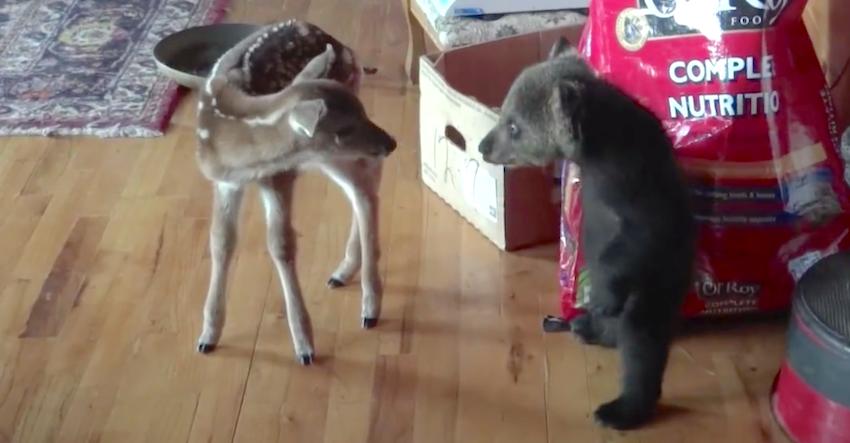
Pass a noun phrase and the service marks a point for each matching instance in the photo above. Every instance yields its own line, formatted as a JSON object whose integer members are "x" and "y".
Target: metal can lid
{"x": 824, "y": 291}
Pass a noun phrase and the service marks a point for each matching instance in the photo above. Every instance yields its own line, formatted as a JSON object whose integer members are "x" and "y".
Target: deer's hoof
{"x": 369, "y": 323}
{"x": 206, "y": 348}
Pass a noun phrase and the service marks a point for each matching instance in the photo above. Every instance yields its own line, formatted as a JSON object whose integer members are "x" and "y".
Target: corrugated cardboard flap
{"x": 451, "y": 126}
{"x": 458, "y": 91}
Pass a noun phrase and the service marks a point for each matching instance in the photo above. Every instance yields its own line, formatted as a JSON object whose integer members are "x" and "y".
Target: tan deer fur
{"x": 311, "y": 124}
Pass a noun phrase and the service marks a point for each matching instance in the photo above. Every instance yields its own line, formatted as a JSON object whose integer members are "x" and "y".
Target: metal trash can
{"x": 811, "y": 394}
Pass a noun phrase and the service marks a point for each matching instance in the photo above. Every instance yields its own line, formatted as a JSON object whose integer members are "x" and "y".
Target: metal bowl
{"x": 188, "y": 56}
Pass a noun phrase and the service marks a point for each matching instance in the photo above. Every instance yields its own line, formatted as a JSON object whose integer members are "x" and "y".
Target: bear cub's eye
{"x": 513, "y": 130}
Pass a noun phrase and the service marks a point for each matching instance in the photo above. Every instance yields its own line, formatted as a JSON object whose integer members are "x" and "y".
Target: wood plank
{"x": 66, "y": 282}
{"x": 436, "y": 327}
{"x": 393, "y": 400}
{"x": 50, "y": 167}
{"x": 54, "y": 227}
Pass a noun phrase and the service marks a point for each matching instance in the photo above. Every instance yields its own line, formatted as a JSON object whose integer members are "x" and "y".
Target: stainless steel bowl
{"x": 188, "y": 56}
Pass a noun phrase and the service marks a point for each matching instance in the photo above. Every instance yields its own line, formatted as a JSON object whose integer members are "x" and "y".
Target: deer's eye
{"x": 345, "y": 131}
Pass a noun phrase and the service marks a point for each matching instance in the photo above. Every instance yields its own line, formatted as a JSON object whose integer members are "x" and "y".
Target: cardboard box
{"x": 448, "y": 8}
{"x": 514, "y": 207}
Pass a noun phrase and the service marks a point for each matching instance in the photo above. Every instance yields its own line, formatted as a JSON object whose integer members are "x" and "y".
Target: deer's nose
{"x": 391, "y": 144}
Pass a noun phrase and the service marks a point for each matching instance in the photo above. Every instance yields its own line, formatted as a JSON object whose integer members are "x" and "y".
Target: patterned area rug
{"x": 85, "y": 67}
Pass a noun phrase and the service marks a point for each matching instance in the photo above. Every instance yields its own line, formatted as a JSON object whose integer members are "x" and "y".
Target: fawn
{"x": 314, "y": 123}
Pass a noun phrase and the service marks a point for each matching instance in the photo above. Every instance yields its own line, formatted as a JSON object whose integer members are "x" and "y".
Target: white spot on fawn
{"x": 303, "y": 29}
{"x": 267, "y": 120}
{"x": 203, "y": 134}
{"x": 223, "y": 115}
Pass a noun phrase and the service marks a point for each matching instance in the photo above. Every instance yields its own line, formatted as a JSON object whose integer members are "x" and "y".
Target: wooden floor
{"x": 104, "y": 267}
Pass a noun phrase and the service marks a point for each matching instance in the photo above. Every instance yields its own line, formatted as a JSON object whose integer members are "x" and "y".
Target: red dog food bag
{"x": 740, "y": 91}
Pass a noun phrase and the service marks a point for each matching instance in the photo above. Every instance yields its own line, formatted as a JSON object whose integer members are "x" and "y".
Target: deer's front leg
{"x": 365, "y": 203}
{"x": 277, "y": 197}
{"x": 360, "y": 180}
{"x": 227, "y": 200}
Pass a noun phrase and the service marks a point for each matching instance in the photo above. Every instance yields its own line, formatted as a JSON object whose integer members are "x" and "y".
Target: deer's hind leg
{"x": 223, "y": 232}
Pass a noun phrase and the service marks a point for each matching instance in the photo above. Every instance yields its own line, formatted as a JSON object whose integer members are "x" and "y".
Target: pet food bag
{"x": 740, "y": 91}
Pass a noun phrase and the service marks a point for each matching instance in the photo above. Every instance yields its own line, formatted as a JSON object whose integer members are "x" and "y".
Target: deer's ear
{"x": 305, "y": 116}
{"x": 318, "y": 67}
